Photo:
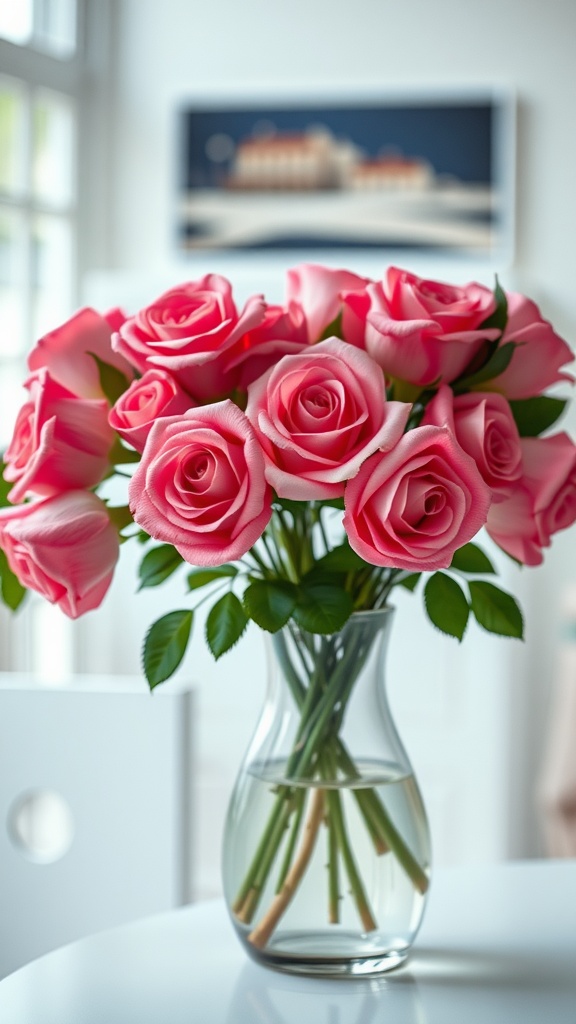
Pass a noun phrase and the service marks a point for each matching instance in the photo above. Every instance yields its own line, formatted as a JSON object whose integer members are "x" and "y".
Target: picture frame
{"x": 423, "y": 172}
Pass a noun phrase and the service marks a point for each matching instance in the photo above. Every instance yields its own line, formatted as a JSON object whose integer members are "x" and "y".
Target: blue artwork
{"x": 396, "y": 175}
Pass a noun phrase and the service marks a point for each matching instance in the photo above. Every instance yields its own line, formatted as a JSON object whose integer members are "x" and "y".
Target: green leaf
{"x": 120, "y": 515}
{"x": 322, "y": 608}
{"x": 288, "y": 505}
{"x": 165, "y": 645}
{"x": 270, "y": 603}
{"x": 333, "y": 329}
{"x": 341, "y": 559}
{"x": 5, "y": 487}
{"x": 499, "y": 318}
{"x": 157, "y": 565}
{"x": 225, "y": 624}
{"x": 493, "y": 367}
{"x": 495, "y": 610}
{"x": 112, "y": 381}
{"x": 409, "y": 582}
{"x": 446, "y": 604}
{"x": 201, "y": 577}
{"x": 119, "y": 455}
{"x": 471, "y": 558}
{"x": 534, "y": 415}
{"x": 11, "y": 590}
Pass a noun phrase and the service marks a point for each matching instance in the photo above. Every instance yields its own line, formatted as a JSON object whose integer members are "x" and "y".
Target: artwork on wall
{"x": 430, "y": 173}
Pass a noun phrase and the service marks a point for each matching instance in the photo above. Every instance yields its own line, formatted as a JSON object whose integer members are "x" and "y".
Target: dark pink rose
{"x": 200, "y": 484}
{"x": 412, "y": 507}
{"x": 153, "y": 395}
{"x": 543, "y": 502}
{"x": 318, "y": 291}
{"x": 67, "y": 352}
{"x": 536, "y": 362}
{"x": 282, "y": 332}
{"x": 424, "y": 331}
{"x": 64, "y": 547}
{"x": 192, "y": 332}
{"x": 318, "y": 415}
{"x": 484, "y": 427}
{"x": 60, "y": 442}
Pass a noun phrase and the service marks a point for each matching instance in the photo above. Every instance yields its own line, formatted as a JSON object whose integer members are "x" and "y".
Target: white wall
{"x": 171, "y": 52}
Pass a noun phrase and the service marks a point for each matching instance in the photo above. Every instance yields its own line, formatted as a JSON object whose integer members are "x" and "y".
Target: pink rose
{"x": 411, "y": 508}
{"x": 65, "y": 548}
{"x": 484, "y": 427}
{"x": 543, "y": 503}
{"x": 318, "y": 415}
{"x": 535, "y": 364}
{"x": 67, "y": 352}
{"x": 200, "y": 484}
{"x": 282, "y": 332}
{"x": 153, "y": 395}
{"x": 318, "y": 291}
{"x": 425, "y": 331}
{"x": 60, "y": 442}
{"x": 192, "y": 332}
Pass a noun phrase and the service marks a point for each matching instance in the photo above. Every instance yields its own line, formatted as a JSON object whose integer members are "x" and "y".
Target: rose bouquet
{"x": 294, "y": 463}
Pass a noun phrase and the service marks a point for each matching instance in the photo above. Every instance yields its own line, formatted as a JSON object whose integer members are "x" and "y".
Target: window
{"x": 41, "y": 107}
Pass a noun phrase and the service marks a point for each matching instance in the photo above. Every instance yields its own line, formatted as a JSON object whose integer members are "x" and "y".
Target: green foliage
{"x": 165, "y": 645}
{"x": 112, "y": 381}
{"x": 499, "y": 317}
{"x": 534, "y": 415}
{"x": 496, "y": 363}
{"x": 225, "y": 624}
{"x": 496, "y": 610}
{"x": 471, "y": 559}
{"x": 120, "y": 455}
{"x": 333, "y": 329}
{"x": 322, "y": 607}
{"x": 121, "y": 516}
{"x": 409, "y": 582}
{"x": 202, "y": 577}
{"x": 5, "y": 486}
{"x": 11, "y": 590}
{"x": 341, "y": 559}
{"x": 446, "y": 604}
{"x": 270, "y": 603}
{"x": 157, "y": 565}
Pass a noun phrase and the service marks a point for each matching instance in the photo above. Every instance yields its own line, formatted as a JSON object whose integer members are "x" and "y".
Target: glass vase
{"x": 326, "y": 852}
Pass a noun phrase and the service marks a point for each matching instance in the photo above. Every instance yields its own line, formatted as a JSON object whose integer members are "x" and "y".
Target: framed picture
{"x": 429, "y": 173}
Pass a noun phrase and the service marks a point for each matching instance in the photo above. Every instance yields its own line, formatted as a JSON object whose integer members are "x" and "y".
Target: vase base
{"x": 299, "y": 955}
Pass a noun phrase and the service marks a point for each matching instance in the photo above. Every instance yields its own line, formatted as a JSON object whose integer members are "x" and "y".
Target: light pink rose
{"x": 318, "y": 291}
{"x": 424, "y": 331}
{"x": 282, "y": 332}
{"x": 192, "y": 332}
{"x": 536, "y": 362}
{"x": 60, "y": 442}
{"x": 318, "y": 415}
{"x": 65, "y": 548}
{"x": 411, "y": 508}
{"x": 484, "y": 427}
{"x": 153, "y": 395}
{"x": 543, "y": 502}
{"x": 200, "y": 484}
{"x": 66, "y": 351}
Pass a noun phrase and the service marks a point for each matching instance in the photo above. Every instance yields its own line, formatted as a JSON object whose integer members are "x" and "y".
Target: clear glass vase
{"x": 326, "y": 852}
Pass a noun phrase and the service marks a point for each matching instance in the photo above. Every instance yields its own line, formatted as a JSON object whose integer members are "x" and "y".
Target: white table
{"x": 498, "y": 946}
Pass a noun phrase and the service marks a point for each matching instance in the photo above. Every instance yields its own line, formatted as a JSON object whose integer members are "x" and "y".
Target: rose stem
{"x": 299, "y": 800}
{"x": 337, "y": 823}
{"x": 261, "y": 933}
{"x": 377, "y": 813}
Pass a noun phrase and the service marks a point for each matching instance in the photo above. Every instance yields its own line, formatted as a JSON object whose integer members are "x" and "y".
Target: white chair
{"x": 94, "y": 808}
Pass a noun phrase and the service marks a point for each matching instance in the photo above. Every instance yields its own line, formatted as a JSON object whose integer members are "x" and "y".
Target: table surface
{"x": 497, "y": 946}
